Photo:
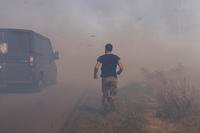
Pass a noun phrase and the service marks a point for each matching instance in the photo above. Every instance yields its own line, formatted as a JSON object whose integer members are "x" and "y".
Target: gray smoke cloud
{"x": 145, "y": 33}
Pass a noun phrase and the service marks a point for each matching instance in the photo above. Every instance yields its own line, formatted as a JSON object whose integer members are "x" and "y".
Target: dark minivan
{"x": 26, "y": 58}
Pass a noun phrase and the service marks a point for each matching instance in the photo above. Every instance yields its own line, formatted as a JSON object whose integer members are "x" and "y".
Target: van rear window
{"x": 17, "y": 43}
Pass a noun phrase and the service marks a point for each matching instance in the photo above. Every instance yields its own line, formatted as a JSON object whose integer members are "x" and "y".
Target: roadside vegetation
{"x": 178, "y": 100}
{"x": 165, "y": 102}
{"x": 127, "y": 119}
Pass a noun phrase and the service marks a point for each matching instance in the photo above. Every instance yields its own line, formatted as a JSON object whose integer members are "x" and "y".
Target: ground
{"x": 28, "y": 111}
{"x": 136, "y": 113}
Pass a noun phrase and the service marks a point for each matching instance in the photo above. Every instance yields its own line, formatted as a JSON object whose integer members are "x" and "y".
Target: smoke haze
{"x": 155, "y": 34}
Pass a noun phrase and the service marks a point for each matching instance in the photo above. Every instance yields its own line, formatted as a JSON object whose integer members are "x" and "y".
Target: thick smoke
{"x": 156, "y": 34}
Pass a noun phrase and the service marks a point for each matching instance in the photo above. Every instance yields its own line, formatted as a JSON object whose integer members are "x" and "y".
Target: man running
{"x": 108, "y": 63}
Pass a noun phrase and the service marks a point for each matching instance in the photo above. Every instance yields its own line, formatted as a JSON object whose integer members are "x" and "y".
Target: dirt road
{"x": 37, "y": 112}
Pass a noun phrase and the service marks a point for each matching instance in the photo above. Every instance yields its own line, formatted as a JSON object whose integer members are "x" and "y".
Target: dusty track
{"x": 38, "y": 112}
{"x": 67, "y": 127}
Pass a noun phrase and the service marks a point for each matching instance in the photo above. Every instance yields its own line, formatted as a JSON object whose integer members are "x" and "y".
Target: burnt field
{"x": 55, "y": 110}
{"x": 164, "y": 102}
{"x": 136, "y": 113}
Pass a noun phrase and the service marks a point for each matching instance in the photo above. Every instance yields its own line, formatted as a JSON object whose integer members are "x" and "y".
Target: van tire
{"x": 38, "y": 83}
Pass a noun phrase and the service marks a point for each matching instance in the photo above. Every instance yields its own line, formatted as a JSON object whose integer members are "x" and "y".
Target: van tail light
{"x": 31, "y": 60}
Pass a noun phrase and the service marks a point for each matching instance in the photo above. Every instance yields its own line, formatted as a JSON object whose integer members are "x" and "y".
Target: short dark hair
{"x": 108, "y": 47}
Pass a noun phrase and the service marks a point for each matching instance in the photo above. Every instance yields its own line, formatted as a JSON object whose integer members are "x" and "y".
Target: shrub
{"x": 176, "y": 96}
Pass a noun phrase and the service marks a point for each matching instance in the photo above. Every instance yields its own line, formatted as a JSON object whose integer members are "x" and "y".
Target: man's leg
{"x": 113, "y": 92}
{"x": 109, "y": 83}
{"x": 103, "y": 91}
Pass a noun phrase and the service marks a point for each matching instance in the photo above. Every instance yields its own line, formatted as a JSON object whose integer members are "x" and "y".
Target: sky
{"x": 155, "y": 34}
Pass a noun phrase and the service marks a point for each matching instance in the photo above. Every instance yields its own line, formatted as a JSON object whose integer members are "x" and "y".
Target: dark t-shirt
{"x": 109, "y": 65}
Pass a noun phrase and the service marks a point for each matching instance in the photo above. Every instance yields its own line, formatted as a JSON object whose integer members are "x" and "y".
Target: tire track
{"x": 68, "y": 125}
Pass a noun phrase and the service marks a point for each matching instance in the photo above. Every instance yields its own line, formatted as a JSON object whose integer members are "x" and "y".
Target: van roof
{"x": 21, "y": 30}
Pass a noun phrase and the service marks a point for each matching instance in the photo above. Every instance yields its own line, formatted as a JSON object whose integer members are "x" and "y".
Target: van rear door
{"x": 14, "y": 58}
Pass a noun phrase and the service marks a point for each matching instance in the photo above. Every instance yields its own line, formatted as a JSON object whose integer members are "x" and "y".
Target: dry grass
{"x": 166, "y": 103}
{"x": 176, "y": 96}
{"x": 127, "y": 119}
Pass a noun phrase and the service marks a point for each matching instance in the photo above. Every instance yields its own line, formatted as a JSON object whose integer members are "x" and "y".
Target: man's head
{"x": 108, "y": 47}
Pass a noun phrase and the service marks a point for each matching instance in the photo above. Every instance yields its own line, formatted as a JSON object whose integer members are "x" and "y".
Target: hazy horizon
{"x": 155, "y": 34}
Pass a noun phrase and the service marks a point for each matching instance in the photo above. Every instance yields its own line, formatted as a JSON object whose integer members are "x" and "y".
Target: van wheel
{"x": 38, "y": 83}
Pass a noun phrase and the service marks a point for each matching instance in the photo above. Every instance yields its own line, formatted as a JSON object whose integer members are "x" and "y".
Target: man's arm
{"x": 121, "y": 68}
{"x": 96, "y": 68}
